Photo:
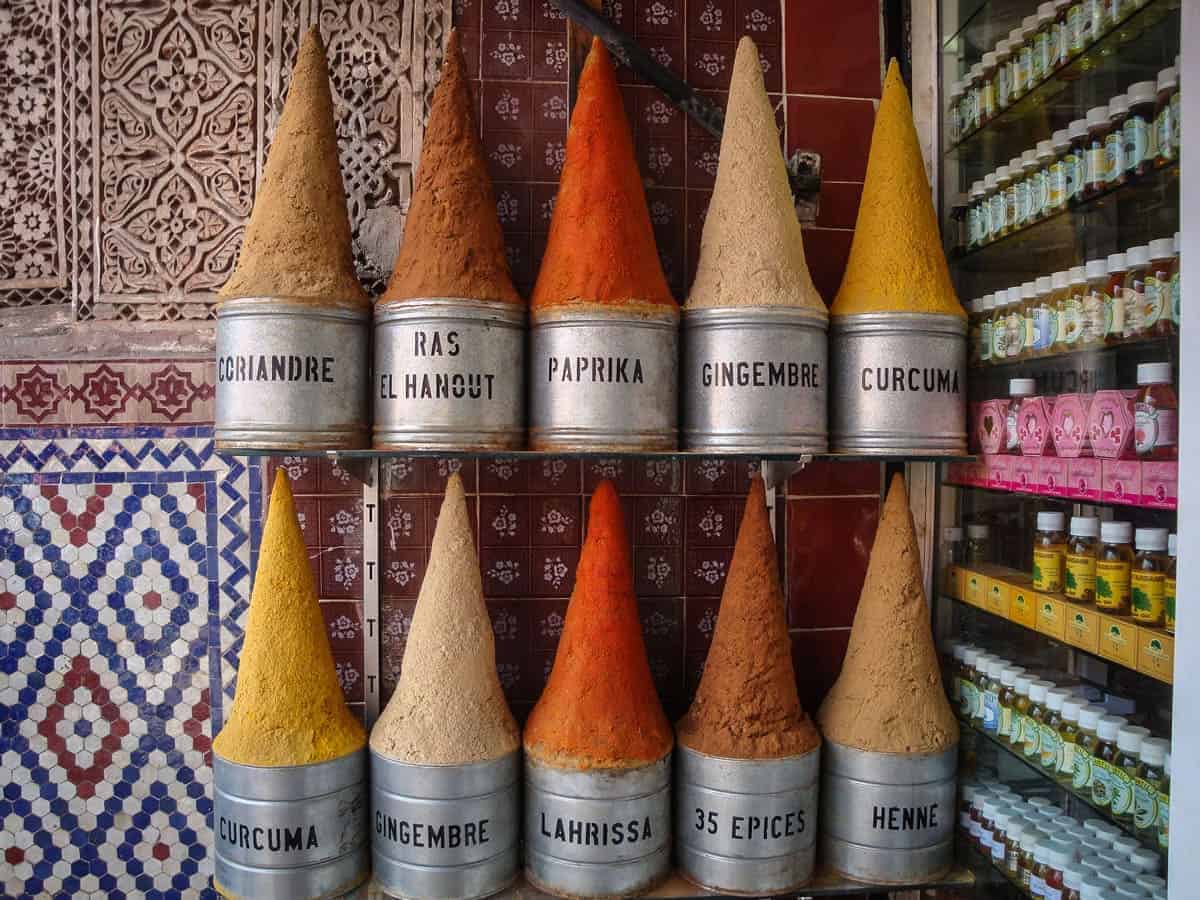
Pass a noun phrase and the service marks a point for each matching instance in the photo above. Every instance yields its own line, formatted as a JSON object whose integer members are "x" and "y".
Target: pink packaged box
{"x": 1033, "y": 426}
{"x": 1083, "y": 476}
{"x": 1068, "y": 425}
{"x": 1022, "y": 474}
{"x": 1052, "y": 476}
{"x": 998, "y": 472}
{"x": 1160, "y": 484}
{"x": 1121, "y": 481}
{"x": 1110, "y": 424}
{"x": 990, "y": 426}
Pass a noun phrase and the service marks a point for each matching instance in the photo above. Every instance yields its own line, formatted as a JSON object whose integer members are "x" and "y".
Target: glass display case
{"x": 1059, "y": 181}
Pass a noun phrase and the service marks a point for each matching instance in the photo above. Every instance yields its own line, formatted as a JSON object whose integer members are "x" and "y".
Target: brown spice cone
{"x": 297, "y": 243}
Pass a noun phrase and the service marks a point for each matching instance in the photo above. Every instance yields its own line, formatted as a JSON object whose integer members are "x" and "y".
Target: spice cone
{"x": 889, "y": 696}
{"x": 453, "y": 245}
{"x": 448, "y": 708}
{"x": 601, "y": 247}
{"x": 600, "y": 708}
{"x": 297, "y": 243}
{"x": 747, "y": 706}
{"x": 752, "y": 248}
{"x": 896, "y": 259}
{"x": 289, "y": 709}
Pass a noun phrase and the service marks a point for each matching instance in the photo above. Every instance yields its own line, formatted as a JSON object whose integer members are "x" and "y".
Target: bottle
{"x": 987, "y": 89}
{"x": 1134, "y": 290}
{"x": 1069, "y": 311}
{"x": 1032, "y": 838}
{"x": 1157, "y": 312}
{"x": 1075, "y": 162}
{"x": 1087, "y": 741}
{"x": 1114, "y": 567}
{"x": 980, "y": 676}
{"x": 1169, "y": 584}
{"x": 1014, "y": 346}
{"x": 1056, "y": 177}
{"x": 1013, "y": 205}
{"x": 985, "y": 327}
{"x": 1114, "y": 315}
{"x": 1147, "y": 582}
{"x": 1079, "y": 576}
{"x": 1114, "y": 142}
{"x": 1018, "y": 390}
{"x": 1124, "y": 770}
{"x": 1003, "y": 75}
{"x": 1095, "y": 303}
{"x": 1156, "y": 413}
{"x": 1176, "y": 96}
{"x": 1034, "y": 718}
{"x": 991, "y": 694}
{"x": 1037, "y": 875}
{"x": 1175, "y": 272}
{"x": 1022, "y": 55}
{"x": 954, "y": 112}
{"x": 1104, "y": 757}
{"x": 979, "y": 550}
{"x": 1049, "y": 551}
{"x": 1040, "y": 318}
{"x": 1164, "y": 806}
{"x": 1049, "y": 739}
{"x": 1058, "y": 857}
{"x": 1147, "y": 782}
{"x": 1007, "y": 699}
{"x": 1020, "y": 708}
{"x": 1095, "y": 164}
{"x": 968, "y": 695}
{"x": 1062, "y": 21}
{"x": 1091, "y": 24}
{"x": 974, "y": 195}
{"x": 1000, "y": 327}
{"x": 1139, "y": 126}
{"x": 1045, "y": 42}
{"x": 989, "y": 221}
{"x": 1000, "y": 224}
{"x": 1116, "y": 10}
{"x": 1039, "y": 185}
{"x": 1068, "y": 733}
{"x": 1060, "y": 292}
{"x": 971, "y": 97}
{"x": 1165, "y": 150}
{"x": 1028, "y": 55}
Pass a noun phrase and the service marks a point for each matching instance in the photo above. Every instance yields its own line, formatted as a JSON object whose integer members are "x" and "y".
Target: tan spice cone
{"x": 297, "y": 243}
{"x": 747, "y": 706}
{"x": 889, "y": 697}
{"x": 452, "y": 245}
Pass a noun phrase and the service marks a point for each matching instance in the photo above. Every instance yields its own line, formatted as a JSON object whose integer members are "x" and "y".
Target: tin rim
{"x": 897, "y": 323}
{"x": 570, "y": 316}
{"x": 462, "y": 781}
{"x": 890, "y": 769}
{"x": 287, "y": 783}
{"x": 451, "y": 309}
{"x": 733, "y": 316}
{"x": 290, "y": 306}
{"x": 598, "y": 784}
{"x": 748, "y": 777}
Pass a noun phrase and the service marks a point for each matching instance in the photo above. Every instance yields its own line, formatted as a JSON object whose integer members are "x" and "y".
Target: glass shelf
{"x": 596, "y": 454}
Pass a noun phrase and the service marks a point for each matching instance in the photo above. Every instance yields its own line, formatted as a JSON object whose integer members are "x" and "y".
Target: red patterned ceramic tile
{"x": 817, "y": 658}
{"x": 342, "y": 573}
{"x": 762, "y": 20}
{"x": 402, "y": 572}
{"x": 403, "y": 524}
{"x": 710, "y": 475}
{"x": 344, "y": 625}
{"x": 505, "y": 572}
{"x": 659, "y": 522}
{"x": 504, "y": 15}
{"x": 658, "y": 476}
{"x": 542, "y": 207}
{"x": 706, "y": 568}
{"x": 548, "y": 154}
{"x": 655, "y": 17}
{"x": 657, "y": 571}
{"x": 666, "y": 667}
{"x": 338, "y": 476}
{"x": 711, "y": 521}
{"x": 512, "y": 207}
{"x": 549, "y": 108}
{"x": 401, "y": 475}
{"x": 662, "y": 159}
{"x": 107, "y": 393}
{"x": 466, "y": 14}
{"x": 520, "y": 257}
{"x": 662, "y": 621}
{"x": 700, "y": 622}
{"x": 554, "y": 571}
{"x": 555, "y": 475}
{"x": 770, "y": 60}
{"x": 711, "y": 20}
{"x": 395, "y": 621}
{"x": 471, "y": 45}
{"x": 39, "y": 394}
{"x": 308, "y": 512}
{"x": 341, "y": 521}
{"x": 838, "y": 129}
{"x": 504, "y": 521}
{"x": 835, "y": 478}
{"x": 703, "y": 154}
{"x": 506, "y": 55}
{"x": 668, "y": 52}
{"x": 549, "y": 52}
{"x": 349, "y": 667}
{"x": 837, "y": 51}
{"x": 839, "y": 204}
{"x": 619, "y": 12}
{"x": 547, "y": 17}
{"x": 555, "y": 521}
{"x": 300, "y": 470}
{"x": 829, "y": 544}
{"x": 438, "y": 469}
{"x": 656, "y": 115}
{"x": 618, "y": 470}
{"x": 503, "y": 474}
{"x": 827, "y": 252}
{"x": 693, "y": 669}
{"x": 510, "y": 628}
{"x": 547, "y": 618}
{"x": 508, "y": 155}
{"x": 507, "y": 106}
{"x": 710, "y": 63}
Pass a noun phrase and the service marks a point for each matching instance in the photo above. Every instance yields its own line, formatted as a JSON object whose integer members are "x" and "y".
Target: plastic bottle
{"x": 1034, "y": 718}
{"x": 1068, "y": 733}
{"x": 979, "y": 548}
{"x": 1115, "y": 162}
{"x": 1147, "y": 582}
{"x": 954, "y": 128}
{"x": 971, "y": 97}
{"x": 985, "y": 327}
{"x": 1020, "y": 709}
{"x": 1029, "y": 27}
{"x": 987, "y": 89}
{"x": 1114, "y": 317}
{"x": 1075, "y": 166}
{"x": 980, "y": 679}
{"x": 967, "y": 692}
{"x": 1049, "y": 740}
{"x": 1003, "y": 75}
{"x": 1139, "y": 127}
{"x": 1000, "y": 223}
{"x": 1045, "y": 41}
{"x": 1018, "y": 390}
{"x": 1156, "y": 413}
{"x": 1032, "y": 198}
{"x": 1094, "y": 306}
{"x": 1147, "y": 782}
{"x": 1124, "y": 771}
{"x": 974, "y": 198}
{"x": 1039, "y": 183}
{"x": 1165, "y": 149}
{"x": 1115, "y": 11}
{"x": 1044, "y": 323}
{"x": 991, "y": 694}
{"x": 1175, "y": 296}
{"x": 1014, "y": 207}
{"x": 1049, "y": 551}
{"x": 1114, "y": 567}
{"x": 1095, "y": 178}
{"x": 1079, "y": 577}
{"x": 1060, "y": 291}
{"x": 988, "y": 208}
{"x": 1008, "y": 699}
{"x": 1104, "y": 758}
{"x": 1085, "y": 745}
{"x": 1169, "y": 584}
{"x": 1056, "y": 176}
{"x": 1137, "y": 259}
{"x": 1157, "y": 312}
{"x": 1069, "y": 310}
{"x": 1014, "y": 346}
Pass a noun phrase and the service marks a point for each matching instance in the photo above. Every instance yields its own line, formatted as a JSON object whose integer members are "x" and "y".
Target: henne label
{"x": 434, "y": 837}
{"x": 904, "y": 818}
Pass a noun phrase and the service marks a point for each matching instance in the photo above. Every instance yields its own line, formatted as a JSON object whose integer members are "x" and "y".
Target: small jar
{"x": 1062, "y": 23}
{"x": 1095, "y": 179}
{"x": 1039, "y": 318}
{"x": 988, "y": 208}
{"x": 974, "y": 215}
{"x": 1045, "y": 42}
{"x": 1145, "y": 862}
{"x": 1123, "y": 844}
{"x": 1016, "y": 195}
{"x": 1012, "y": 844}
{"x": 979, "y": 548}
{"x": 1079, "y": 563}
{"x": 1165, "y": 149}
{"x": 999, "y": 847}
{"x": 1169, "y": 584}
{"x": 1023, "y": 79}
{"x": 1105, "y": 833}
{"x": 1060, "y": 855}
{"x": 1114, "y": 317}
{"x": 1072, "y": 881}
{"x": 1068, "y": 732}
{"x": 1042, "y": 158}
{"x": 1018, "y": 390}
{"x": 987, "y": 89}
{"x": 1124, "y": 771}
{"x": 954, "y": 128}
{"x": 1056, "y": 180}
{"x": 1031, "y": 728}
{"x": 953, "y": 552}
{"x": 1114, "y": 142}
{"x": 991, "y": 694}
{"x": 1085, "y": 746}
{"x": 1147, "y": 783}
{"x": 1093, "y": 888}
{"x": 1049, "y": 740}
{"x": 1029, "y": 58}
{"x": 1020, "y": 710}
{"x": 1003, "y": 75}
{"x": 1134, "y": 290}
{"x": 1008, "y": 699}
{"x": 985, "y": 328}
{"x": 1014, "y": 321}
{"x": 987, "y": 825}
{"x": 1104, "y": 759}
{"x": 1069, "y": 311}
{"x": 1000, "y": 223}
{"x": 1075, "y": 162}
{"x": 1157, "y": 310}
{"x": 1156, "y": 413}
{"x": 1114, "y": 567}
{"x": 968, "y": 694}
{"x": 1030, "y": 839}
{"x": 971, "y": 98}
{"x": 1049, "y": 551}
{"x": 966, "y": 796}
{"x": 1147, "y": 581}
{"x": 1095, "y": 305}
{"x": 1139, "y": 128}
{"x": 1041, "y": 867}
{"x": 979, "y": 678}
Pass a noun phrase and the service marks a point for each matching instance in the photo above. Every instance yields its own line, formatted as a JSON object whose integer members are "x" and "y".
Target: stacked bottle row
{"x": 1054, "y": 856}
{"x": 1116, "y": 765}
{"x": 1045, "y": 41}
{"x": 1123, "y": 297}
{"x": 1132, "y": 135}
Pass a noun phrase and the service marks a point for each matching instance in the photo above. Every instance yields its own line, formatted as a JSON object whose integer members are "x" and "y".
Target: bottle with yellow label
{"x": 1124, "y": 771}
{"x": 1020, "y": 708}
{"x": 1031, "y": 726}
{"x": 1008, "y": 700}
{"x": 1147, "y": 582}
{"x": 1049, "y": 740}
{"x": 1169, "y": 585}
{"x": 1079, "y": 566}
{"x": 1049, "y": 551}
{"x": 1104, "y": 757}
{"x": 1068, "y": 732}
{"x": 1147, "y": 784}
{"x": 1086, "y": 742}
{"x": 1164, "y": 806}
{"x": 1114, "y": 567}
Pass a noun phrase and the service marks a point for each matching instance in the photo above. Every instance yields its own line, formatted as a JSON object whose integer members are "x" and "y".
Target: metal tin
{"x": 449, "y": 374}
{"x": 746, "y": 826}
{"x": 291, "y": 375}
{"x": 603, "y": 380}
{"x": 445, "y": 831}
{"x": 898, "y": 384}
{"x": 755, "y": 380}
{"x": 290, "y": 832}
{"x": 888, "y": 818}
{"x": 597, "y": 832}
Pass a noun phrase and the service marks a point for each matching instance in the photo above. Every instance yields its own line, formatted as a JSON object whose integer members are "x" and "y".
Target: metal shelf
{"x": 804, "y": 458}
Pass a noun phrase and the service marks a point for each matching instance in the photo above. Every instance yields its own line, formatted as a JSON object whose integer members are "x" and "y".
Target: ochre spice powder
{"x": 747, "y": 706}
{"x": 599, "y": 708}
{"x": 288, "y": 709}
{"x": 601, "y": 249}
{"x": 297, "y": 243}
{"x": 889, "y": 697}
{"x": 896, "y": 263}
{"x": 453, "y": 245}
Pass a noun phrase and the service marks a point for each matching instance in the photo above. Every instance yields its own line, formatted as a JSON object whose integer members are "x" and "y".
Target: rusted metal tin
{"x": 449, "y": 374}
{"x": 754, "y": 380}
{"x": 898, "y": 384}
{"x": 291, "y": 376}
{"x": 746, "y": 826}
{"x": 290, "y": 832}
{"x": 603, "y": 380}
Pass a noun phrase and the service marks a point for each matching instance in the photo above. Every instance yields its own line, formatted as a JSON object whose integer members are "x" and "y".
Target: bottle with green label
{"x": 1085, "y": 745}
{"x": 1050, "y": 742}
{"x": 980, "y": 683}
{"x": 1049, "y": 551}
{"x": 991, "y": 694}
{"x": 1068, "y": 733}
{"x": 1169, "y": 584}
{"x": 1020, "y": 708}
{"x": 1147, "y": 584}
{"x": 1114, "y": 567}
{"x": 1079, "y": 565}
{"x": 1069, "y": 311}
{"x": 1008, "y": 699}
{"x": 1164, "y": 806}
{"x": 1174, "y": 288}
{"x": 1104, "y": 759}
{"x": 968, "y": 694}
{"x": 1147, "y": 784}
{"x": 1031, "y": 726}
{"x": 1124, "y": 771}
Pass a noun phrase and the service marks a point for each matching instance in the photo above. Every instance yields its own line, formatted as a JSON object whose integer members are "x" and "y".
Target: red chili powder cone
{"x": 601, "y": 245}
{"x": 453, "y": 245}
{"x": 600, "y": 709}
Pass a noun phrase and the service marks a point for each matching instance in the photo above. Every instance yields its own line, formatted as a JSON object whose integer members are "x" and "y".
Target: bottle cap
{"x": 1038, "y": 690}
{"x": 1096, "y": 268}
{"x": 989, "y": 808}
{"x": 1117, "y": 262}
{"x": 1024, "y": 682}
{"x": 1001, "y": 174}
{"x": 1061, "y": 853}
{"x": 1022, "y": 387}
{"x": 989, "y": 181}
{"x": 1152, "y": 539}
{"x": 1110, "y": 726}
{"x": 1028, "y": 290}
{"x": 1097, "y": 116}
{"x": 1050, "y": 521}
{"x": 1078, "y": 128}
{"x": 1016, "y": 37}
{"x": 1142, "y": 92}
{"x": 950, "y": 535}
{"x": 989, "y": 59}
{"x": 1044, "y": 284}
{"x": 1085, "y": 526}
{"x": 1148, "y": 881}
{"x": 1031, "y": 837}
{"x": 975, "y": 71}
{"x": 1102, "y": 828}
{"x": 985, "y": 302}
{"x": 1014, "y": 294}
{"x": 1154, "y": 751}
{"x": 1172, "y": 545}
{"x": 1116, "y": 532}
{"x": 971, "y": 656}
{"x": 1041, "y": 850}
{"x": 1003, "y": 48}
{"x": 1138, "y": 256}
{"x": 1126, "y": 891}
{"x": 960, "y": 651}
{"x": 1078, "y": 275}
{"x": 956, "y": 89}
{"x": 1008, "y": 675}
{"x": 1044, "y": 148}
{"x": 977, "y": 188}
{"x": 1037, "y": 802}
{"x": 1014, "y": 164}
{"x": 1154, "y": 373}
{"x": 1089, "y": 720}
{"x": 1029, "y": 25}
{"x": 1118, "y": 105}
{"x": 1168, "y": 78}
{"x": 1001, "y": 819}
{"x": 1060, "y": 138}
{"x": 1162, "y": 248}
{"x": 1125, "y": 845}
{"x": 1073, "y": 876}
{"x": 1130, "y": 737}
{"x": 1092, "y": 888}
{"x": 996, "y": 665}
{"x": 1055, "y": 699}
{"x": 1016, "y": 828}
{"x": 1045, "y": 12}
{"x": 1060, "y": 280}
{"x": 977, "y": 532}
{"x": 1072, "y": 707}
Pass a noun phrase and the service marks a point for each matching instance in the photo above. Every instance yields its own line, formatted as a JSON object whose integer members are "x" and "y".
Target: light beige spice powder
{"x": 448, "y": 708}
{"x": 752, "y": 248}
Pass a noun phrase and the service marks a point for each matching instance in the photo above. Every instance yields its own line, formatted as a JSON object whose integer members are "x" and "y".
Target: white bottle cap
{"x": 1148, "y": 881}
{"x": 1142, "y": 92}
{"x": 1152, "y": 539}
{"x": 1124, "y": 845}
{"x": 1116, "y": 532}
{"x": 1014, "y": 164}
{"x": 1056, "y": 698}
{"x": 1117, "y": 262}
{"x": 1023, "y": 683}
{"x": 989, "y": 808}
{"x": 1172, "y": 545}
{"x": 1051, "y": 521}
{"x": 1097, "y": 115}
{"x": 1168, "y": 78}
{"x": 971, "y": 656}
{"x": 1085, "y": 526}
{"x": 1060, "y": 138}
{"x": 1163, "y": 248}
{"x": 1072, "y": 707}
{"x": 1060, "y": 280}
{"x": 1089, "y": 717}
{"x": 1014, "y": 294}
{"x": 1073, "y": 876}
{"x": 1154, "y": 373}
{"x": 976, "y": 188}
{"x": 1060, "y": 855}
{"x": 1138, "y": 256}
{"x": 1110, "y": 726}
{"x": 950, "y": 535}
{"x": 1154, "y": 751}
{"x": 1044, "y": 148}
{"x": 1037, "y": 691}
{"x": 1078, "y": 275}
{"x": 1016, "y": 37}
{"x": 989, "y": 181}
{"x": 975, "y": 71}
{"x": 1028, "y": 290}
{"x": 1130, "y": 737}
{"x": 1096, "y": 268}
{"x": 1029, "y": 25}
{"x": 1118, "y": 105}
{"x": 1022, "y": 387}
{"x": 1001, "y": 173}
{"x": 1045, "y": 12}
{"x": 1079, "y": 127}
{"x": 977, "y": 532}
{"x": 1008, "y": 675}
{"x": 1003, "y": 48}
{"x": 1044, "y": 284}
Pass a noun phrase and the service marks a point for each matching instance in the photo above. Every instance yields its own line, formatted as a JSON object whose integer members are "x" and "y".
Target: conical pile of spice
{"x": 601, "y": 250}
{"x": 297, "y": 244}
{"x": 752, "y": 249}
{"x": 896, "y": 259}
{"x": 448, "y": 708}
{"x": 746, "y": 706}
{"x": 453, "y": 245}
{"x": 289, "y": 709}
{"x": 889, "y": 696}
{"x": 599, "y": 709}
